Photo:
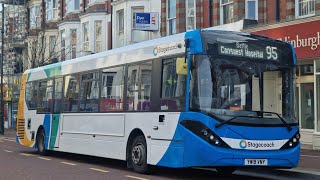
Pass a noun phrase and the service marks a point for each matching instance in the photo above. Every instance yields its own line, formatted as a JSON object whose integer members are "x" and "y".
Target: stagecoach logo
{"x": 243, "y": 144}
{"x": 158, "y": 50}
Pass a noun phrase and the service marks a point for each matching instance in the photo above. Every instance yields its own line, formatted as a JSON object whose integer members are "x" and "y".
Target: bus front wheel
{"x": 138, "y": 155}
{"x": 41, "y": 142}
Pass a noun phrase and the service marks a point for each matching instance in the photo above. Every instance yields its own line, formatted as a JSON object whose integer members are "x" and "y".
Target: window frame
{"x": 63, "y": 44}
{"x": 221, "y": 10}
{"x": 194, "y": 15}
{"x": 171, "y": 30}
{"x": 51, "y": 10}
{"x": 96, "y": 41}
{"x": 52, "y": 45}
{"x": 34, "y": 16}
{"x": 72, "y": 6}
{"x": 120, "y": 21}
{"x": 256, "y": 9}
{"x": 297, "y": 10}
{"x": 73, "y": 43}
{"x": 85, "y": 44}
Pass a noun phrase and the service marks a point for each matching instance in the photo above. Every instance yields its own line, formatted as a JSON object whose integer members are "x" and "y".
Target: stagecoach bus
{"x": 203, "y": 98}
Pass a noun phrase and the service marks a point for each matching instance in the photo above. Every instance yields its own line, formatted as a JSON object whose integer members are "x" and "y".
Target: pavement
{"x": 10, "y": 133}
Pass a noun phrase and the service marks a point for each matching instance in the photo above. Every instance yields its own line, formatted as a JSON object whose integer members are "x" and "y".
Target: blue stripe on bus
{"x": 293, "y": 54}
{"x": 47, "y": 127}
{"x": 187, "y": 149}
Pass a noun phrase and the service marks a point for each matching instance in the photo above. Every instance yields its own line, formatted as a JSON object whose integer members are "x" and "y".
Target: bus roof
{"x": 151, "y": 49}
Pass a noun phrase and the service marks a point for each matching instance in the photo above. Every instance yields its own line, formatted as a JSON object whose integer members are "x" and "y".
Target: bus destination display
{"x": 247, "y": 50}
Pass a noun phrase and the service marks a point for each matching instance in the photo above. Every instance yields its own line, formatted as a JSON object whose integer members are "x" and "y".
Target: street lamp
{"x": 1, "y": 73}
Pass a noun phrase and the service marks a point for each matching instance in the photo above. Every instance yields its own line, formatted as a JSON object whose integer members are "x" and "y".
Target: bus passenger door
{"x": 56, "y": 117}
{"x": 171, "y": 88}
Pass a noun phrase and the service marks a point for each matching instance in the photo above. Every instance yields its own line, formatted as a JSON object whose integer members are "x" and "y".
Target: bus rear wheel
{"x": 138, "y": 155}
{"x": 41, "y": 142}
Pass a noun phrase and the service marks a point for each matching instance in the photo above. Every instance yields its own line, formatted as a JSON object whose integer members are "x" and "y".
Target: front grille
{"x": 20, "y": 128}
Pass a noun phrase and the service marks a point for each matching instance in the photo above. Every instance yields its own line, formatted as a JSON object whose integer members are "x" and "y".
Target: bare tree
{"x": 41, "y": 48}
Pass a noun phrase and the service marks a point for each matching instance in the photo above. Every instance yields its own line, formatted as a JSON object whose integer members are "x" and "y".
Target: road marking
{"x": 8, "y": 139}
{"x": 44, "y": 158}
{"x": 310, "y": 156}
{"x": 7, "y": 151}
{"x": 134, "y": 177}
{"x": 100, "y": 170}
{"x": 71, "y": 164}
{"x": 26, "y": 154}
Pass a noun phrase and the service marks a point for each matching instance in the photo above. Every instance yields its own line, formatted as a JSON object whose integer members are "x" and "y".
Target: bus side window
{"x": 173, "y": 87}
{"x": 71, "y": 93}
{"x": 139, "y": 87}
{"x": 31, "y": 95}
{"x": 58, "y": 83}
{"x": 45, "y": 96}
{"x": 89, "y": 92}
{"x": 112, "y": 89}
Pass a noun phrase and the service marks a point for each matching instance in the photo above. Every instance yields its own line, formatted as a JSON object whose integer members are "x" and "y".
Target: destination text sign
{"x": 247, "y": 50}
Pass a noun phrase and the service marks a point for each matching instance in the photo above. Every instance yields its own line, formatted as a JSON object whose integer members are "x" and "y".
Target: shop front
{"x": 304, "y": 34}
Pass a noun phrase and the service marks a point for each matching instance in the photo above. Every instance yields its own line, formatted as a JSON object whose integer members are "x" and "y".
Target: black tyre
{"x": 225, "y": 171}
{"x": 138, "y": 155}
{"x": 41, "y": 137}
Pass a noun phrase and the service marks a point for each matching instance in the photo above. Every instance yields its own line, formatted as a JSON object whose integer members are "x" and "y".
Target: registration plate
{"x": 256, "y": 162}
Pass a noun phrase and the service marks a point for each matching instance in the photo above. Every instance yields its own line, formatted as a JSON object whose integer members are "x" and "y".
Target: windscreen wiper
{"x": 226, "y": 121}
{"x": 259, "y": 116}
{"x": 281, "y": 119}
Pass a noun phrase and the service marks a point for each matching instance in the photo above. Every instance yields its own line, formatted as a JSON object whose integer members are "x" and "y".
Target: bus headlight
{"x": 204, "y": 132}
{"x": 293, "y": 142}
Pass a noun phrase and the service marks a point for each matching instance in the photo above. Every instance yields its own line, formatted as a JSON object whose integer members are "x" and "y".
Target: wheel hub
{"x": 136, "y": 154}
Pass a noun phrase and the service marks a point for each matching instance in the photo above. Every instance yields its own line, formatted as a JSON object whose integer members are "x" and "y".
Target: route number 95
{"x": 272, "y": 53}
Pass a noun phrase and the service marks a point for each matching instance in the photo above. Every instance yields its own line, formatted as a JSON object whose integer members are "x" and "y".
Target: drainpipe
{"x": 277, "y": 10}
{"x": 111, "y": 29}
{"x": 84, "y": 6}
{"x": 62, "y": 9}
{"x": 210, "y": 13}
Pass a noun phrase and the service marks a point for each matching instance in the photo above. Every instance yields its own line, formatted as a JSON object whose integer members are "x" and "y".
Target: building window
{"x": 63, "y": 45}
{"x": 305, "y": 8}
{"x": 35, "y": 19}
{"x": 137, "y": 35}
{"x": 72, "y": 5}
{"x": 171, "y": 17}
{"x": 120, "y": 20}
{"x": 52, "y": 10}
{"x": 190, "y": 15}
{"x": 98, "y": 36}
{"x": 52, "y": 45}
{"x": 73, "y": 43}
{"x": 252, "y": 9}
{"x": 226, "y": 11}
{"x": 86, "y": 36}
